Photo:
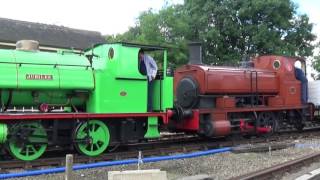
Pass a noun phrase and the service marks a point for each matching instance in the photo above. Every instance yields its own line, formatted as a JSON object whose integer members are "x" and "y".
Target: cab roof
{"x": 145, "y": 47}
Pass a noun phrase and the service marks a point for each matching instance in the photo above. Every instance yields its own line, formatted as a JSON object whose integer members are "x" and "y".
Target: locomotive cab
{"x": 301, "y": 73}
{"x": 120, "y": 87}
{"x": 293, "y": 90}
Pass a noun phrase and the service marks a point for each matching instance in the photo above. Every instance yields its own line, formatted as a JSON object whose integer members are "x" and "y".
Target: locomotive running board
{"x": 50, "y": 116}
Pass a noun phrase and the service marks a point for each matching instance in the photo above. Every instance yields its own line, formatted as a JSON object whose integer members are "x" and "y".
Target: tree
{"x": 228, "y": 29}
{"x": 316, "y": 63}
{"x": 231, "y": 29}
{"x": 167, "y": 27}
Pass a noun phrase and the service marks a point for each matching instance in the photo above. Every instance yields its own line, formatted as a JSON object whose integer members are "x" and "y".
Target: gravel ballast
{"x": 218, "y": 166}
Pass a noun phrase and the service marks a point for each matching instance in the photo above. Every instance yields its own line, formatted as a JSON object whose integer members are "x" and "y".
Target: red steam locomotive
{"x": 262, "y": 97}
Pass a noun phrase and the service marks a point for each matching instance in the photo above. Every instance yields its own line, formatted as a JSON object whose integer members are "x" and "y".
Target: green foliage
{"x": 316, "y": 66}
{"x": 228, "y": 29}
{"x": 316, "y": 63}
{"x": 166, "y": 28}
{"x": 233, "y": 29}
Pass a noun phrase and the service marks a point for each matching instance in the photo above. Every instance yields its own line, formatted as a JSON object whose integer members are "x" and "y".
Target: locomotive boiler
{"x": 34, "y": 81}
{"x": 258, "y": 98}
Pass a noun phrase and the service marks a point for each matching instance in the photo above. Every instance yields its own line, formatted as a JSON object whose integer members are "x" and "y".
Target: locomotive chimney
{"x": 195, "y": 53}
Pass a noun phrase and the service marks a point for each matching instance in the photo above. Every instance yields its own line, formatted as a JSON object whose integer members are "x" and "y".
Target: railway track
{"x": 276, "y": 172}
{"x": 154, "y": 148}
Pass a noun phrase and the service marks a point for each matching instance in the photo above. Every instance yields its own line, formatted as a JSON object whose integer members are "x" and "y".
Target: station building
{"x": 50, "y": 37}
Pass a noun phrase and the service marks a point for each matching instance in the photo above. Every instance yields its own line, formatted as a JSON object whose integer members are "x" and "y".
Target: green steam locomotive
{"x": 87, "y": 100}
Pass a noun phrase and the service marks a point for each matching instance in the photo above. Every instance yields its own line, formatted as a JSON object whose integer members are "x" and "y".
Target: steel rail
{"x": 275, "y": 172}
{"x": 160, "y": 147}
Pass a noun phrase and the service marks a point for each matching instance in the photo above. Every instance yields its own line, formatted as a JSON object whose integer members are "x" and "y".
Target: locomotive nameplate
{"x": 39, "y": 77}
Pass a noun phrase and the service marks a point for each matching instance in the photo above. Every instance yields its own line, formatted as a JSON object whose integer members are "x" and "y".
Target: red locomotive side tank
{"x": 226, "y": 80}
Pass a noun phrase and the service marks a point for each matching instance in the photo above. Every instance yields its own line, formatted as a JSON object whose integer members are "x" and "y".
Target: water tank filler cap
{"x": 27, "y": 45}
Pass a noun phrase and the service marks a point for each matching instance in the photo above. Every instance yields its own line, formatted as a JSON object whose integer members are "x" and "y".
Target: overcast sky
{"x": 106, "y": 16}
{"x": 311, "y": 8}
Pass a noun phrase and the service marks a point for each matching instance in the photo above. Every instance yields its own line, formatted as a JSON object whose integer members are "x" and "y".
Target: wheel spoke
{"x": 97, "y": 144}
{"x": 33, "y": 149}
{"x": 93, "y": 127}
{"x": 19, "y": 149}
{"x": 81, "y": 135}
{"x": 91, "y": 147}
{"x": 27, "y": 151}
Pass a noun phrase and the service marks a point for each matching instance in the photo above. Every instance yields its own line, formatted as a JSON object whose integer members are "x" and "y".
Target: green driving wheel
{"x": 28, "y": 141}
{"x": 92, "y": 137}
